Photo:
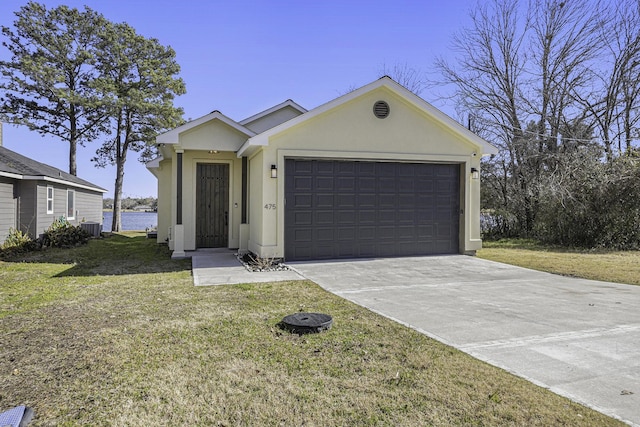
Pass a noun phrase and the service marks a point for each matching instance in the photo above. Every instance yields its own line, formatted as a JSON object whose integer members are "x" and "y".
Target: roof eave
{"x": 287, "y": 103}
{"x": 173, "y": 136}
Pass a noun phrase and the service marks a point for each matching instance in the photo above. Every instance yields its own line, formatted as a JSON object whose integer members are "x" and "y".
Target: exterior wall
{"x": 27, "y": 208}
{"x": 88, "y": 205}
{"x": 190, "y": 159}
{"x": 272, "y": 120}
{"x": 257, "y": 178}
{"x": 164, "y": 200}
{"x": 351, "y": 131}
{"x": 213, "y": 135}
{"x": 7, "y": 207}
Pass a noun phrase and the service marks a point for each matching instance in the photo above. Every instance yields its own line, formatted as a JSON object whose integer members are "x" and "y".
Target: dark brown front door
{"x": 212, "y": 205}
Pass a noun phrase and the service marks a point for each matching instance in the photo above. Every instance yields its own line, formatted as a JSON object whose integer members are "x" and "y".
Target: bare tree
{"x": 409, "y": 77}
{"x": 517, "y": 72}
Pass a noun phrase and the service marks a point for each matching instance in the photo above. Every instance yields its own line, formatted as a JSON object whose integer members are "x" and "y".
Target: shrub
{"x": 16, "y": 243}
{"x": 61, "y": 234}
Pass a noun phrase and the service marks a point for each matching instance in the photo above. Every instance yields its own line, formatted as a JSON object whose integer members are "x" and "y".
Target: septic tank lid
{"x": 306, "y": 323}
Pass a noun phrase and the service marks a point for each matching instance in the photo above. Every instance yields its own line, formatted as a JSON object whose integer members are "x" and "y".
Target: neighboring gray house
{"x": 33, "y": 195}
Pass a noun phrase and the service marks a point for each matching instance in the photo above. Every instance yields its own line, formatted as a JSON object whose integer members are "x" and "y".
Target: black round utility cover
{"x": 307, "y": 323}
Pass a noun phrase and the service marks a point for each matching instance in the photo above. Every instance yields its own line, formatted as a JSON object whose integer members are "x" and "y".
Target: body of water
{"x": 131, "y": 220}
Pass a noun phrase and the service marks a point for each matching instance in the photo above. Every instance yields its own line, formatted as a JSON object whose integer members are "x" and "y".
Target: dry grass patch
{"x": 152, "y": 349}
{"x": 619, "y": 267}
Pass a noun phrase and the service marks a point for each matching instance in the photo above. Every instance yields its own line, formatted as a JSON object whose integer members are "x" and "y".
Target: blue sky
{"x": 242, "y": 57}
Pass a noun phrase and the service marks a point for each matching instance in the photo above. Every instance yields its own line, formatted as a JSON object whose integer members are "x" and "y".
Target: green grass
{"x": 115, "y": 333}
{"x": 619, "y": 267}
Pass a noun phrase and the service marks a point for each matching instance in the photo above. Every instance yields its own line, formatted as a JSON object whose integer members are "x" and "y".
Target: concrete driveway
{"x": 578, "y": 338}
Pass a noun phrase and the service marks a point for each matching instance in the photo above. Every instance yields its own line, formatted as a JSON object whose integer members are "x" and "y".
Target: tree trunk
{"x": 73, "y": 142}
{"x": 116, "y": 222}
{"x": 121, "y": 155}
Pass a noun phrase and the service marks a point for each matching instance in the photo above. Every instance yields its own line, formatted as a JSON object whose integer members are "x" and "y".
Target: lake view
{"x": 131, "y": 220}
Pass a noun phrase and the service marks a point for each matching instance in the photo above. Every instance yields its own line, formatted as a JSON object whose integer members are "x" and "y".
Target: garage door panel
{"x": 303, "y": 218}
{"x": 367, "y": 200}
{"x": 346, "y": 233}
{"x": 346, "y": 217}
{"x": 303, "y": 235}
{"x": 345, "y": 168}
{"x": 324, "y": 167}
{"x": 324, "y": 183}
{"x": 324, "y": 217}
{"x": 406, "y": 233}
{"x": 366, "y": 184}
{"x": 386, "y": 233}
{"x": 387, "y": 200}
{"x": 387, "y": 185}
{"x": 304, "y": 183}
{"x": 324, "y": 200}
{"x": 303, "y": 200}
{"x": 368, "y": 209}
{"x": 366, "y": 217}
{"x": 366, "y": 234}
{"x": 346, "y": 184}
{"x": 386, "y": 216}
{"x": 406, "y": 201}
{"x": 324, "y": 234}
{"x": 346, "y": 201}
{"x": 425, "y": 232}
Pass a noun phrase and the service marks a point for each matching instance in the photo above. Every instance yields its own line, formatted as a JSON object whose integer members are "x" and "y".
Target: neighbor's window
{"x": 49, "y": 199}
{"x": 71, "y": 204}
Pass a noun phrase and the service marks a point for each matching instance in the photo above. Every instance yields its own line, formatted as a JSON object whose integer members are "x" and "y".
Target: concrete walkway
{"x": 221, "y": 267}
{"x": 579, "y": 338}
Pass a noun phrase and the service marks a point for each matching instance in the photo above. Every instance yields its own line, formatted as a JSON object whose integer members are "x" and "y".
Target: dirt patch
{"x": 254, "y": 263}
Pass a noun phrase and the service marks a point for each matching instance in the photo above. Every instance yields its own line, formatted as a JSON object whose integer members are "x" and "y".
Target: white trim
{"x": 51, "y": 179}
{"x": 262, "y": 139}
{"x": 10, "y": 175}
{"x": 73, "y": 208}
{"x": 287, "y": 103}
{"x": 173, "y": 136}
{"x": 69, "y": 183}
{"x": 52, "y": 199}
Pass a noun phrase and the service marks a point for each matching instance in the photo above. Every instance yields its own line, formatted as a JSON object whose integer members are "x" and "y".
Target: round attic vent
{"x": 381, "y": 109}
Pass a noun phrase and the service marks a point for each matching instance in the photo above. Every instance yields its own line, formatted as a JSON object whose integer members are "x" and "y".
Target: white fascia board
{"x": 287, "y": 103}
{"x": 486, "y": 147}
{"x": 11, "y": 175}
{"x": 262, "y": 139}
{"x": 172, "y": 137}
{"x": 62, "y": 181}
{"x": 154, "y": 163}
{"x": 51, "y": 179}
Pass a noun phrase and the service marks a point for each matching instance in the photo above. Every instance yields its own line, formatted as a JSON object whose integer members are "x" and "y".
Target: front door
{"x": 212, "y": 205}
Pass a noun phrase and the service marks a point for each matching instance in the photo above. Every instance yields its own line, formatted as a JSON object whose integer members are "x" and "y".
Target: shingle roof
{"x": 17, "y": 164}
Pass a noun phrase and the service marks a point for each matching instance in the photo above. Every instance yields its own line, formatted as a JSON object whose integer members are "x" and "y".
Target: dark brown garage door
{"x": 355, "y": 209}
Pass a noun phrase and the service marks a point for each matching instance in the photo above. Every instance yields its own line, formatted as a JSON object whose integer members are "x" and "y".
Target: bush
{"x": 61, "y": 234}
{"x": 599, "y": 209}
{"x": 16, "y": 243}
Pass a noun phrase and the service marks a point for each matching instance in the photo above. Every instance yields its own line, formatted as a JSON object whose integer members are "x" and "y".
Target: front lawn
{"x": 115, "y": 333}
{"x": 620, "y": 267}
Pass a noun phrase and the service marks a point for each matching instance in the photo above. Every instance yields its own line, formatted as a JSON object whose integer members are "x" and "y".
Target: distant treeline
{"x": 132, "y": 203}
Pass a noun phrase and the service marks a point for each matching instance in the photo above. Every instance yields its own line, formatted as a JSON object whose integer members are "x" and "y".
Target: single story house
{"x": 33, "y": 195}
{"x": 377, "y": 172}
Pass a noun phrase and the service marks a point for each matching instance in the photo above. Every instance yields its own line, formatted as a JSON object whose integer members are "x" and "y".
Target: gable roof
{"x": 172, "y": 136}
{"x": 262, "y": 139}
{"x": 287, "y": 103}
{"x": 17, "y": 166}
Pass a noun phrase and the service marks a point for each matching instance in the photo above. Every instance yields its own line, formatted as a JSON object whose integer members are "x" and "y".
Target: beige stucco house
{"x": 376, "y": 172}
